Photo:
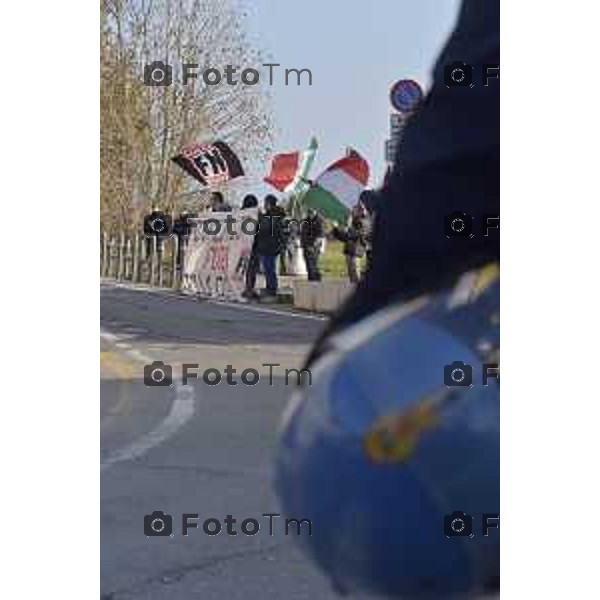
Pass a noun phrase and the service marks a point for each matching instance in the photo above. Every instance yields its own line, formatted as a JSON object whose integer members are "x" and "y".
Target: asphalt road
{"x": 196, "y": 449}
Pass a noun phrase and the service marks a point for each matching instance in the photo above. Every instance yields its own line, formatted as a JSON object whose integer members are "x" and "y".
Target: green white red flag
{"x": 336, "y": 191}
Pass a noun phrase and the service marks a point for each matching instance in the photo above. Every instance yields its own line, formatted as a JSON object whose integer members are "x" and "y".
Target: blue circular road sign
{"x": 406, "y": 95}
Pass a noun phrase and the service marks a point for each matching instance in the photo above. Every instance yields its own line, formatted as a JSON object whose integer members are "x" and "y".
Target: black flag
{"x": 210, "y": 164}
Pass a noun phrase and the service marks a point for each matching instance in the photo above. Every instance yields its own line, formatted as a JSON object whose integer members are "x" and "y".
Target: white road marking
{"x": 109, "y": 337}
{"x": 262, "y": 309}
{"x": 181, "y": 412}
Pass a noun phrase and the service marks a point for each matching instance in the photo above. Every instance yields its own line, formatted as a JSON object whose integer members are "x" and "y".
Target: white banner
{"x": 217, "y": 254}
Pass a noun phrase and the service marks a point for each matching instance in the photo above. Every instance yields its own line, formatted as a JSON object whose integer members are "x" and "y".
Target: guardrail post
{"x": 161, "y": 249}
{"x": 101, "y": 254}
{"x": 111, "y": 256}
{"x": 175, "y": 263}
{"x": 105, "y": 255}
{"x": 128, "y": 259}
{"x": 136, "y": 259}
{"x": 121, "y": 263}
{"x": 153, "y": 257}
{"x": 143, "y": 265}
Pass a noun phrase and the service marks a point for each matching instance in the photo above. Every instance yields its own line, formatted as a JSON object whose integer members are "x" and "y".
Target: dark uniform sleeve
{"x": 449, "y": 161}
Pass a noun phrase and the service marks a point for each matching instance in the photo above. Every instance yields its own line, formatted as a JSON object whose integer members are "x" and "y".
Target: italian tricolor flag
{"x": 336, "y": 190}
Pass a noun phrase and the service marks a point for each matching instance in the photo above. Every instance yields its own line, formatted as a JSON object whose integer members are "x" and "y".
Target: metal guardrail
{"x": 140, "y": 259}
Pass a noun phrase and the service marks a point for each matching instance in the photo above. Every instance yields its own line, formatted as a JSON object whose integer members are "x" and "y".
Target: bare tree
{"x": 142, "y": 126}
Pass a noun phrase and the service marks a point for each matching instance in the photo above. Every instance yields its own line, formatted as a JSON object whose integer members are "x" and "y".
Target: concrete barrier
{"x": 320, "y": 296}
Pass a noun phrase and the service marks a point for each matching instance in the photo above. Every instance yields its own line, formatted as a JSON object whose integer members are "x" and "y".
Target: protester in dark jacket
{"x": 311, "y": 232}
{"x": 356, "y": 239}
{"x": 270, "y": 241}
{"x": 182, "y": 228}
{"x": 250, "y": 201}
{"x": 369, "y": 199}
{"x": 367, "y": 218}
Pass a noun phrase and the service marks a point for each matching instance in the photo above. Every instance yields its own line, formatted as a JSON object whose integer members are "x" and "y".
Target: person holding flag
{"x": 355, "y": 238}
{"x": 311, "y": 234}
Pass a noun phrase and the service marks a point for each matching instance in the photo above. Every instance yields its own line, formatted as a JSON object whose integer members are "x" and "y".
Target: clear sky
{"x": 355, "y": 51}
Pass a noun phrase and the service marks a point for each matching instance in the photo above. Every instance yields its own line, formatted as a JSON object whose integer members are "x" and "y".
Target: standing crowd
{"x": 279, "y": 237}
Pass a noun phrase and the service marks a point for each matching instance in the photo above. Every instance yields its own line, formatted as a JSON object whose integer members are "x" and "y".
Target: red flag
{"x": 283, "y": 170}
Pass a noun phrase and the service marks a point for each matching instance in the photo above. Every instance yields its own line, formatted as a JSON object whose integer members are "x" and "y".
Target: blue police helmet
{"x": 393, "y": 452}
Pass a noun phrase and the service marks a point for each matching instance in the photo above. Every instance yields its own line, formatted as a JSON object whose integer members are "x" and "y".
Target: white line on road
{"x": 281, "y": 313}
{"x": 108, "y": 337}
{"x": 181, "y": 411}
